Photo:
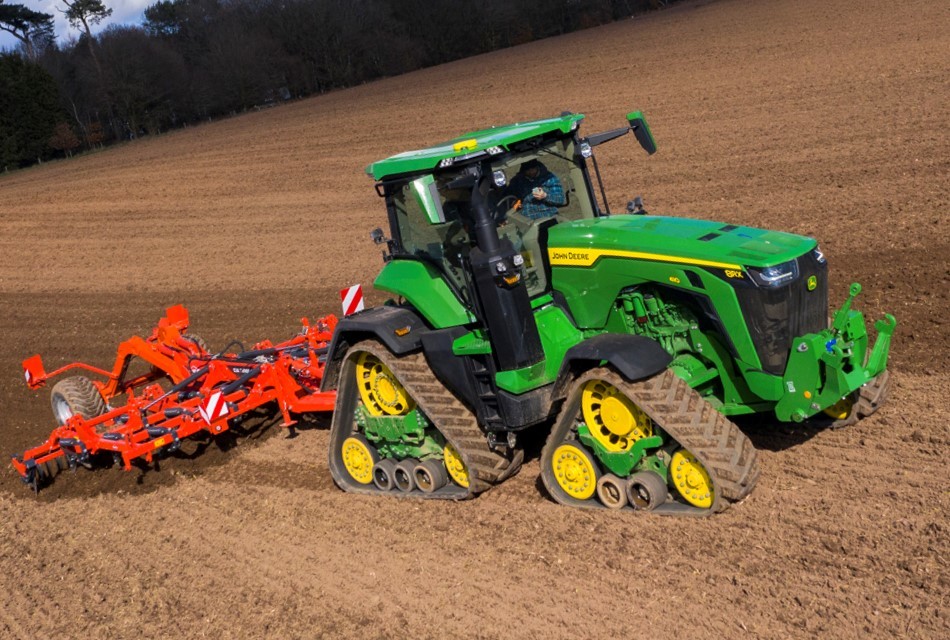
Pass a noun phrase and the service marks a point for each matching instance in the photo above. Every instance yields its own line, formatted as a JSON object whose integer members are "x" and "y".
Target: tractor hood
{"x": 667, "y": 239}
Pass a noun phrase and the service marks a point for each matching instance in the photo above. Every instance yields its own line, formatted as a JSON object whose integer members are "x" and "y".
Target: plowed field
{"x": 817, "y": 117}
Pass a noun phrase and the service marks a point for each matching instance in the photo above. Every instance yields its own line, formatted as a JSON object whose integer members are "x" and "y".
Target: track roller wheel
{"x": 646, "y": 490}
{"x": 403, "y": 475}
{"x": 691, "y": 479}
{"x": 383, "y": 474}
{"x": 359, "y": 458}
{"x": 430, "y": 475}
{"x": 575, "y": 470}
{"x": 76, "y": 396}
{"x": 612, "y": 491}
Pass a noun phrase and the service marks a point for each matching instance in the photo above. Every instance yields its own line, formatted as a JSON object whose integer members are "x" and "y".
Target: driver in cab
{"x": 539, "y": 190}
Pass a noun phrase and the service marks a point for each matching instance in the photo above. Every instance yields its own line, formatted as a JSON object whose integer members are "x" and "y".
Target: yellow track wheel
{"x": 380, "y": 390}
{"x": 613, "y": 419}
{"x": 575, "y": 471}
{"x": 691, "y": 479}
{"x": 841, "y": 409}
{"x": 455, "y": 466}
{"x": 359, "y": 456}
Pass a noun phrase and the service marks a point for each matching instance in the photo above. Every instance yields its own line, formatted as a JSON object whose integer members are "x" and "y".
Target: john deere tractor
{"x": 633, "y": 338}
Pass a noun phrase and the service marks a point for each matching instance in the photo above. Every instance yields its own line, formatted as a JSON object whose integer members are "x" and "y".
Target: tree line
{"x": 193, "y": 60}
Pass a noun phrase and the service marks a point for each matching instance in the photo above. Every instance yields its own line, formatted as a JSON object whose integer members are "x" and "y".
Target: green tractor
{"x": 519, "y": 300}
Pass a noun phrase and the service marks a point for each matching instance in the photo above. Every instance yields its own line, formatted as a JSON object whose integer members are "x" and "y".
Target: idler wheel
{"x": 359, "y": 458}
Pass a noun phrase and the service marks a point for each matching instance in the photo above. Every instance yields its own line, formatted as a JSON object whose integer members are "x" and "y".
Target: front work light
{"x": 775, "y": 276}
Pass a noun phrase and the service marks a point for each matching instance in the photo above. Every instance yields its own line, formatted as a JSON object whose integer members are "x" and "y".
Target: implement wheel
{"x": 76, "y": 396}
{"x": 197, "y": 340}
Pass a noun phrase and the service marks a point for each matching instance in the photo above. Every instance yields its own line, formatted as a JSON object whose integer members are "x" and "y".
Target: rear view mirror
{"x": 642, "y": 131}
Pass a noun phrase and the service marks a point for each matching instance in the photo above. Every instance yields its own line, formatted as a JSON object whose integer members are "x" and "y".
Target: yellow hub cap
{"x": 574, "y": 471}
{"x": 455, "y": 465}
{"x": 358, "y": 460}
{"x": 691, "y": 479}
{"x": 613, "y": 419}
{"x": 841, "y": 409}
{"x": 380, "y": 390}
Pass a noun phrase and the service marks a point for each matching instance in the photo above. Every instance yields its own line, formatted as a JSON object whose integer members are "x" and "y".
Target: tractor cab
{"x": 436, "y": 196}
{"x": 433, "y": 214}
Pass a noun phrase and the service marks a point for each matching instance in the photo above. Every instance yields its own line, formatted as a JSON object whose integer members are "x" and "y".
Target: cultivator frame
{"x": 207, "y": 391}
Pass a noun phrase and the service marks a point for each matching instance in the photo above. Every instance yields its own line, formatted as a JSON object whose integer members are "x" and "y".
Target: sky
{"x": 123, "y": 12}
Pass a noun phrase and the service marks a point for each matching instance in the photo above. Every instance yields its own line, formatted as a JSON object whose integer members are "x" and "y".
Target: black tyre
{"x": 403, "y": 475}
{"x": 612, "y": 491}
{"x": 646, "y": 490}
{"x": 430, "y": 475}
{"x": 76, "y": 396}
{"x": 383, "y": 474}
{"x": 198, "y": 340}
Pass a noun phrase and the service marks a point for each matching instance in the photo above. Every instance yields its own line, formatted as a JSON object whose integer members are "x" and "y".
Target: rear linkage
{"x": 207, "y": 390}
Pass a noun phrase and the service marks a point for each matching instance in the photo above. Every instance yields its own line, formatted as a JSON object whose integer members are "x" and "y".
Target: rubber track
{"x": 870, "y": 397}
{"x": 452, "y": 418}
{"x": 727, "y": 454}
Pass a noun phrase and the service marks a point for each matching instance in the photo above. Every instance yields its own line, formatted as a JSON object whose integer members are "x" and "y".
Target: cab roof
{"x": 470, "y": 144}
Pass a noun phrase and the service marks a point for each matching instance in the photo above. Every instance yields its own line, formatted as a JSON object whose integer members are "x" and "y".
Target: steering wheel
{"x": 505, "y": 206}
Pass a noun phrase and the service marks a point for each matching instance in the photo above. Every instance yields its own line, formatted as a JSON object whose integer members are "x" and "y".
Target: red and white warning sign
{"x": 213, "y": 408}
{"x": 352, "y": 299}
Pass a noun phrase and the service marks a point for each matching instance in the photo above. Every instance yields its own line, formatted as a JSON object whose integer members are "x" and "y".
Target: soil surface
{"x": 822, "y": 118}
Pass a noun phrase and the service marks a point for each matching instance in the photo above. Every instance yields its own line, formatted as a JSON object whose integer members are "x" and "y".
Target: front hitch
{"x": 829, "y": 365}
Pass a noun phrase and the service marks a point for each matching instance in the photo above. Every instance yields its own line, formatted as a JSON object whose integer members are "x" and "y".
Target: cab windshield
{"x": 543, "y": 186}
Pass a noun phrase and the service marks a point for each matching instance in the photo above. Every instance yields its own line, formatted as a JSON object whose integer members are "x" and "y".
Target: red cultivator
{"x": 186, "y": 390}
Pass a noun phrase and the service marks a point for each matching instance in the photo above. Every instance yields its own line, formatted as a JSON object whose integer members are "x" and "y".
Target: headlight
{"x": 819, "y": 255}
{"x": 777, "y": 275}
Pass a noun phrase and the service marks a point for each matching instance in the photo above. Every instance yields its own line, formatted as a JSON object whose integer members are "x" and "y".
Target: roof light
{"x": 494, "y": 151}
{"x": 446, "y": 162}
{"x": 586, "y": 151}
{"x": 819, "y": 255}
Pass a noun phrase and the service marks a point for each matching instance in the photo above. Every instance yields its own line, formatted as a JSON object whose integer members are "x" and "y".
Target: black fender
{"x": 388, "y": 324}
{"x": 634, "y": 357}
